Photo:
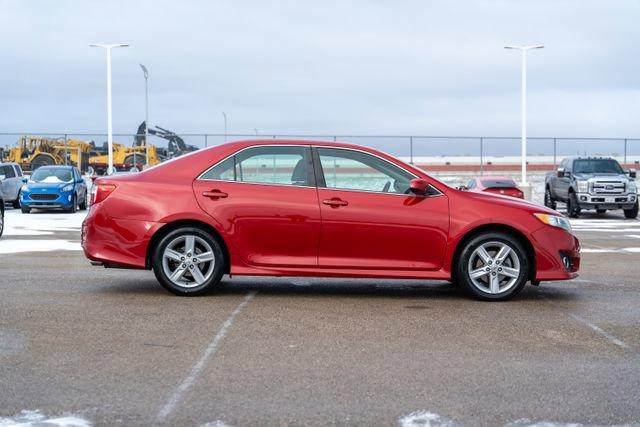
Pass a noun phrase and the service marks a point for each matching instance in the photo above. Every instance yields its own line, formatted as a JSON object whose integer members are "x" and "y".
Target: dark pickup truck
{"x": 597, "y": 183}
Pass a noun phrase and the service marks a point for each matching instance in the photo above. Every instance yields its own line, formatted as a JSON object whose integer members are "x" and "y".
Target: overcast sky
{"x": 394, "y": 67}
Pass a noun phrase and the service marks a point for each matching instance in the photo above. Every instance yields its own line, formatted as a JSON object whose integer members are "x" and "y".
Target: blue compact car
{"x": 54, "y": 187}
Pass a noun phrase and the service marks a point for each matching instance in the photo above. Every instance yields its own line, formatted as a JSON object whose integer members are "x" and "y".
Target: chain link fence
{"x": 477, "y": 152}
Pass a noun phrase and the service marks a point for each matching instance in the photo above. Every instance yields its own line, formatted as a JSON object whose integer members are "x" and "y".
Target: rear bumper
{"x": 116, "y": 242}
{"x": 557, "y": 254}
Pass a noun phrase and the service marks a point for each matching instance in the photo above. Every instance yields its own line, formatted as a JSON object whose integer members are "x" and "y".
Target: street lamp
{"x": 524, "y": 50}
{"x": 225, "y": 126}
{"x": 146, "y": 113}
{"x": 108, "y": 48}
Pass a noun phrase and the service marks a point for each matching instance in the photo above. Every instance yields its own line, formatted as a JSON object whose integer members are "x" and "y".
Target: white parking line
{"x": 631, "y": 250}
{"x": 612, "y": 338}
{"x": 196, "y": 369}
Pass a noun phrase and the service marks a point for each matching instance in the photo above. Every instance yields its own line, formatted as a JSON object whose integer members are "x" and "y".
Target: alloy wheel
{"x": 494, "y": 267}
{"x": 188, "y": 261}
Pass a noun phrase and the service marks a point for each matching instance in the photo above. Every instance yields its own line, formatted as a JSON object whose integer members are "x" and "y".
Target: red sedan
{"x": 496, "y": 185}
{"x": 301, "y": 208}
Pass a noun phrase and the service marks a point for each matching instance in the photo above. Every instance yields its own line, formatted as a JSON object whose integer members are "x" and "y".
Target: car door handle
{"x": 215, "y": 194}
{"x": 335, "y": 202}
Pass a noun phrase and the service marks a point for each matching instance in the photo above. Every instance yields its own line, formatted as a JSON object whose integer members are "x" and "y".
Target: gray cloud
{"x": 406, "y": 67}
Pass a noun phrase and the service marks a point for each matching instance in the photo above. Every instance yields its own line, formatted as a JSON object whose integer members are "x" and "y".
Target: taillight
{"x": 99, "y": 192}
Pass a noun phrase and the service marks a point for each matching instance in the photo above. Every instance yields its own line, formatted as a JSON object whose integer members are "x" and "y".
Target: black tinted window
{"x": 9, "y": 172}
{"x": 597, "y": 166}
{"x": 18, "y": 170}
{"x": 498, "y": 183}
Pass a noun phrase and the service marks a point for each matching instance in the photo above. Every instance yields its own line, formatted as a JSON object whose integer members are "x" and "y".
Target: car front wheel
{"x": 493, "y": 266}
{"x": 631, "y": 213}
{"x": 573, "y": 208}
{"x": 188, "y": 261}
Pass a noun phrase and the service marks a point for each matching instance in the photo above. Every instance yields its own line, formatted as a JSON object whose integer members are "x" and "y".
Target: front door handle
{"x": 335, "y": 202}
{"x": 215, "y": 194}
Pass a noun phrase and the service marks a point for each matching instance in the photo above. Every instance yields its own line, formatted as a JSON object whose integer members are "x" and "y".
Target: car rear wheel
{"x": 493, "y": 266}
{"x": 188, "y": 261}
{"x": 83, "y": 205}
{"x": 600, "y": 211}
{"x": 631, "y": 213}
{"x": 573, "y": 208}
{"x": 549, "y": 201}
{"x": 1, "y": 219}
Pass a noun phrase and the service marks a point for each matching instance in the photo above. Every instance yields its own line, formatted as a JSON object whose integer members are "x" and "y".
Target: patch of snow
{"x": 217, "y": 423}
{"x": 35, "y": 418}
{"x": 426, "y": 419}
{"x": 12, "y": 246}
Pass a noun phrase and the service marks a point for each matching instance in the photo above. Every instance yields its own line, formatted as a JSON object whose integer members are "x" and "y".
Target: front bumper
{"x": 47, "y": 199}
{"x": 557, "y": 254}
{"x": 601, "y": 201}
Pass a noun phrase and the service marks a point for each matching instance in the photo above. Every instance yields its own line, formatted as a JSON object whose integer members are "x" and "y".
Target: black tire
{"x": 600, "y": 211}
{"x": 573, "y": 208}
{"x": 16, "y": 202}
{"x": 549, "y": 201}
{"x": 83, "y": 206}
{"x": 74, "y": 205}
{"x": 631, "y": 213}
{"x": 462, "y": 264}
{"x": 25, "y": 209}
{"x": 218, "y": 265}
{"x": 1, "y": 217}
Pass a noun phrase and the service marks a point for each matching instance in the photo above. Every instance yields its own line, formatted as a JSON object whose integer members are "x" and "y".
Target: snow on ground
{"x": 36, "y": 419}
{"x": 19, "y": 230}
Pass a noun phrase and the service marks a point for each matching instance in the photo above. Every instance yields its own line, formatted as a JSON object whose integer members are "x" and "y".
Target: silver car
{"x": 10, "y": 183}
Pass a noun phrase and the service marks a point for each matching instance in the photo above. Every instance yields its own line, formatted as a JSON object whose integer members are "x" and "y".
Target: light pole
{"x": 108, "y": 48}
{"x": 146, "y": 113}
{"x": 225, "y": 125}
{"x": 524, "y": 50}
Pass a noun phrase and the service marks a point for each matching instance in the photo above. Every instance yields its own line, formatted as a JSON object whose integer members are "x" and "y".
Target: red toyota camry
{"x": 302, "y": 208}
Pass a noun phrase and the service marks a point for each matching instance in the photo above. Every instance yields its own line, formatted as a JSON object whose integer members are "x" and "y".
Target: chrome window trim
{"x": 235, "y": 153}
{"x": 200, "y": 177}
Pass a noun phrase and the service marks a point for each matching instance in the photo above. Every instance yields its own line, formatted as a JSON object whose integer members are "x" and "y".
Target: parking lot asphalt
{"x": 110, "y": 347}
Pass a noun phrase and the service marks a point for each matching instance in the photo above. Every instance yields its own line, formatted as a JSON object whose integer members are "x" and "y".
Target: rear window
{"x": 498, "y": 183}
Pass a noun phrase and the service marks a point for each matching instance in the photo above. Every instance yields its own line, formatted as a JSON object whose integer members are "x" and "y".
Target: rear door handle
{"x": 335, "y": 202}
{"x": 215, "y": 194}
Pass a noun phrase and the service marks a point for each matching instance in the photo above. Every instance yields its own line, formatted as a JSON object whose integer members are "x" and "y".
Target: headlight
{"x": 583, "y": 186}
{"x": 632, "y": 187}
{"x": 67, "y": 187}
{"x": 554, "y": 221}
{"x": 25, "y": 187}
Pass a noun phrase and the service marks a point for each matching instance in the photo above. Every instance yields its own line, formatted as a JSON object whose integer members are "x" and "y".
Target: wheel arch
{"x": 496, "y": 227}
{"x": 169, "y": 227}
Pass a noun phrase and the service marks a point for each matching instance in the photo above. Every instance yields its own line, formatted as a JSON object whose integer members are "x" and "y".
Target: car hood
{"x": 47, "y": 185}
{"x": 507, "y": 201}
{"x": 621, "y": 177}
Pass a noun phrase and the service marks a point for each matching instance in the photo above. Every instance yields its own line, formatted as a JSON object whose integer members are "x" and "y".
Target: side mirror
{"x": 632, "y": 173}
{"x": 418, "y": 186}
{"x": 561, "y": 173}
{"x": 25, "y": 180}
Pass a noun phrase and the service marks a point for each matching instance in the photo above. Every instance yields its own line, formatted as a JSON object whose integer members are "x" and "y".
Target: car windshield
{"x": 597, "y": 166}
{"x": 498, "y": 183}
{"x": 52, "y": 175}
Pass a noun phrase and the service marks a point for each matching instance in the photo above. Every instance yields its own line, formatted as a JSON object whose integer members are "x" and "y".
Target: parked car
{"x": 10, "y": 183}
{"x": 495, "y": 184}
{"x": 597, "y": 183}
{"x": 1, "y": 215}
{"x": 301, "y": 208}
{"x": 54, "y": 187}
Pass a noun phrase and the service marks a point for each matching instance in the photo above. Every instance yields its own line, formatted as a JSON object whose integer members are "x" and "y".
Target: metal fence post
{"x": 625, "y": 151}
{"x": 554, "y": 152}
{"x": 206, "y": 137}
{"x": 481, "y": 156}
{"x": 411, "y": 150}
{"x": 335, "y": 138}
{"x": 65, "y": 149}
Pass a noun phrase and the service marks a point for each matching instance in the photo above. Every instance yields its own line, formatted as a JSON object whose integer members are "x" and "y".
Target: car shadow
{"x": 355, "y": 288}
